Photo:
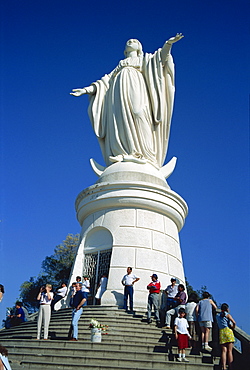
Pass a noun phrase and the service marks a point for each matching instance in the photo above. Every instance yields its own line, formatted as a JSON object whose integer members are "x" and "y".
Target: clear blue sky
{"x": 50, "y": 47}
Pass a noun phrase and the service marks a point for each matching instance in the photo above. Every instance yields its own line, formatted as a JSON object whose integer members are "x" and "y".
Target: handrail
{"x": 244, "y": 339}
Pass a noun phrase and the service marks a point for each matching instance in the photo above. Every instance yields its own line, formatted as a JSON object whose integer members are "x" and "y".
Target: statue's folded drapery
{"x": 132, "y": 108}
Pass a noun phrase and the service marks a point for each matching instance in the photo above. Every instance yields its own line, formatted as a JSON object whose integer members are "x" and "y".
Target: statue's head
{"x": 133, "y": 44}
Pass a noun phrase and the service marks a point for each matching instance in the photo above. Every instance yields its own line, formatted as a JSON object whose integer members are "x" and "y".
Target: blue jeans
{"x": 128, "y": 292}
{"x": 173, "y": 311}
{"x": 76, "y": 314}
{"x": 171, "y": 303}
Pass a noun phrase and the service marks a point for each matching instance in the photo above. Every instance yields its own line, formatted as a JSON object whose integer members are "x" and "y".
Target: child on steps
{"x": 181, "y": 335}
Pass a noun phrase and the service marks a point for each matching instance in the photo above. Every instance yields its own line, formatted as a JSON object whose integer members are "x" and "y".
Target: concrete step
{"x": 113, "y": 323}
{"x": 59, "y": 345}
{"x": 104, "y": 310}
{"x": 108, "y": 359}
{"x": 131, "y": 344}
{"x": 104, "y": 320}
{"x": 134, "y": 333}
{"x": 111, "y": 337}
{"x": 98, "y": 351}
{"x": 64, "y": 328}
{"x": 168, "y": 365}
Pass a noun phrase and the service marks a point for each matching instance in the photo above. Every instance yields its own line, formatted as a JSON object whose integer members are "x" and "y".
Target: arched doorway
{"x": 97, "y": 256}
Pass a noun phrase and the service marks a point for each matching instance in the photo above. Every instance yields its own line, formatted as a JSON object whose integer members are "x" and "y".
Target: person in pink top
{"x": 153, "y": 298}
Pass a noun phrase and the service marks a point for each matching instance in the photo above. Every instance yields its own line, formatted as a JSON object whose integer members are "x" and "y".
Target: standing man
{"x": 171, "y": 292}
{"x": 79, "y": 300}
{"x": 128, "y": 281}
{"x": 153, "y": 298}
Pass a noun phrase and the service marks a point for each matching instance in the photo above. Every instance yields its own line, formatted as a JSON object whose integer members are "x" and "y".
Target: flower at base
{"x": 95, "y": 324}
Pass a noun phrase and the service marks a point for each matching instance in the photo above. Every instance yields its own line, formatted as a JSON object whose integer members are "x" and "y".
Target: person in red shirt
{"x": 153, "y": 298}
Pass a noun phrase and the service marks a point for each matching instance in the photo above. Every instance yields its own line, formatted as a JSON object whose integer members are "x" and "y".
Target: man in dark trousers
{"x": 128, "y": 281}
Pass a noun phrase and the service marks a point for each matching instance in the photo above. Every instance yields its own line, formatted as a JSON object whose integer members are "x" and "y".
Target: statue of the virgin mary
{"x": 131, "y": 108}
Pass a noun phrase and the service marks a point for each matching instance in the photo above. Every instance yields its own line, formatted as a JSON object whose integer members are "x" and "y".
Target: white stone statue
{"x": 130, "y": 108}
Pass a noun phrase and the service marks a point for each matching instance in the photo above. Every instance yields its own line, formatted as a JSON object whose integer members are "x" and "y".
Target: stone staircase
{"x": 131, "y": 344}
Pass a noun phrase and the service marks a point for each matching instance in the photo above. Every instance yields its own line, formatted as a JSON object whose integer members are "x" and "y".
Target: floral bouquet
{"x": 95, "y": 324}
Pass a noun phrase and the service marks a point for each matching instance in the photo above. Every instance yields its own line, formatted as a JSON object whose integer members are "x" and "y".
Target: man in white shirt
{"x": 60, "y": 294}
{"x": 128, "y": 281}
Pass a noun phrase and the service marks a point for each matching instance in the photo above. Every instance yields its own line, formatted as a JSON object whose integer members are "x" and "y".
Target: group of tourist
{"x": 188, "y": 312}
{"x": 78, "y": 299}
{"x": 183, "y": 329}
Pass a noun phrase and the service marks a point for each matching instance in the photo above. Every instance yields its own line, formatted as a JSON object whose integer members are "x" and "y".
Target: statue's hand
{"x": 176, "y": 38}
{"x": 78, "y": 92}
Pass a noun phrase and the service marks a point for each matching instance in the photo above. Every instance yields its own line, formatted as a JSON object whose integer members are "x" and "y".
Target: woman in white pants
{"x": 45, "y": 297}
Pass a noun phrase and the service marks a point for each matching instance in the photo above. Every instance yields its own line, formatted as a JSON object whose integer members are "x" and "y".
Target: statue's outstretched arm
{"x": 174, "y": 39}
{"x": 165, "y": 51}
{"x": 85, "y": 90}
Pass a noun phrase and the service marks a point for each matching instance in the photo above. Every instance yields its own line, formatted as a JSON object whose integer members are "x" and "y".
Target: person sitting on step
{"x": 60, "y": 294}
{"x": 181, "y": 300}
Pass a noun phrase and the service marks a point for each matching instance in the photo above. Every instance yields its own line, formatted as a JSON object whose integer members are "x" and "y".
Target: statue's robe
{"x": 132, "y": 108}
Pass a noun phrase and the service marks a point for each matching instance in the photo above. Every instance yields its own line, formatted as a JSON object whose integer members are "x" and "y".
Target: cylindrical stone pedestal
{"x": 132, "y": 211}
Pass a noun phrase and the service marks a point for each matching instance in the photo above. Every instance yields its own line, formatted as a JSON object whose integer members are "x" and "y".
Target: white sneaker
{"x": 179, "y": 359}
{"x": 208, "y": 348}
{"x": 184, "y": 359}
